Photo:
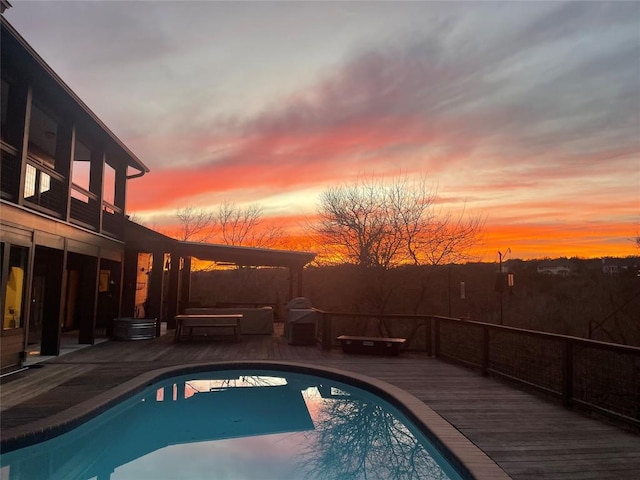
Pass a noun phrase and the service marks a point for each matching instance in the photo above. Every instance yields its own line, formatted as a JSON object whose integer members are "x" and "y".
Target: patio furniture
{"x": 254, "y": 321}
{"x": 371, "y": 345}
{"x": 300, "y": 325}
{"x": 229, "y": 324}
{"x": 128, "y": 328}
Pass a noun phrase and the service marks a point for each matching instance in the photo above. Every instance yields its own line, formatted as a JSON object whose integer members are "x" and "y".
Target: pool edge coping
{"x": 452, "y": 444}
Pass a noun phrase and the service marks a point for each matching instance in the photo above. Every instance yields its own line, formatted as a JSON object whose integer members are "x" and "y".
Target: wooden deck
{"x": 528, "y": 437}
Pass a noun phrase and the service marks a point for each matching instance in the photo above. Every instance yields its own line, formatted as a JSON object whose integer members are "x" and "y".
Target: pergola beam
{"x": 141, "y": 239}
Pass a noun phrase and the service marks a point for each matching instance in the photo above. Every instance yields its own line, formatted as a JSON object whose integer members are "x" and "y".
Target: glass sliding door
{"x": 15, "y": 288}
{"x": 13, "y": 265}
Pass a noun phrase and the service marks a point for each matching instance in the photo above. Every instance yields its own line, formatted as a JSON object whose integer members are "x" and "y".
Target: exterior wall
{"x": 56, "y": 254}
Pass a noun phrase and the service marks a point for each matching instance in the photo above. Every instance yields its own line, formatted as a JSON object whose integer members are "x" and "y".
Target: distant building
{"x": 555, "y": 267}
{"x": 617, "y": 266}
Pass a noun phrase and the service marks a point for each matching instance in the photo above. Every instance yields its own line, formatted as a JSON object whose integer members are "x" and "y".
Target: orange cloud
{"x": 526, "y": 241}
{"x": 587, "y": 240}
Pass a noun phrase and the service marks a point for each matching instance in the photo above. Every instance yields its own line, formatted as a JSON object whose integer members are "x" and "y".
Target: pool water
{"x": 238, "y": 424}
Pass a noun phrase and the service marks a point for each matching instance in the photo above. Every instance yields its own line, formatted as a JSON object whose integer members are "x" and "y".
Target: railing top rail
{"x": 380, "y": 315}
{"x": 553, "y": 336}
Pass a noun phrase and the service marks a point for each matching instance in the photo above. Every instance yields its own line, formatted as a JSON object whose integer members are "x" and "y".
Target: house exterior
{"x": 64, "y": 179}
{"x": 70, "y": 260}
{"x": 621, "y": 266}
{"x": 556, "y": 267}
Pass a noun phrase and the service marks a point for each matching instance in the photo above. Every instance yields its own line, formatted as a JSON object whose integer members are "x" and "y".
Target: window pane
{"x": 81, "y": 166}
{"x": 14, "y": 297}
{"x": 45, "y": 182}
{"x": 109, "y": 184}
{"x": 79, "y": 196}
{"x": 30, "y": 182}
{"x": 4, "y": 92}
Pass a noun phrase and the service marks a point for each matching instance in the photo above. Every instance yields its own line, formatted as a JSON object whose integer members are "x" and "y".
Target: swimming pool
{"x": 239, "y": 424}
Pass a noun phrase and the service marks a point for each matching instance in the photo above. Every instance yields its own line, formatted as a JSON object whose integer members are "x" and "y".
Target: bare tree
{"x": 244, "y": 226}
{"x": 196, "y": 224}
{"x": 229, "y": 224}
{"x": 444, "y": 239}
{"x": 376, "y": 224}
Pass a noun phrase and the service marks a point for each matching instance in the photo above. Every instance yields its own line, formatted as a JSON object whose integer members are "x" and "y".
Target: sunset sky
{"x": 526, "y": 113}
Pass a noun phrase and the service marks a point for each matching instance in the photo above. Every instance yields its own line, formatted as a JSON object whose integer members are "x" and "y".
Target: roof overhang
{"x": 4, "y": 4}
{"x": 144, "y": 239}
{"x": 16, "y": 49}
{"x": 245, "y": 256}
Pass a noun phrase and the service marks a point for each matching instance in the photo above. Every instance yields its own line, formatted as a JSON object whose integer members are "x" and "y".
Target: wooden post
{"x": 64, "y": 161}
{"x": 567, "y": 373}
{"x": 485, "y": 350}
{"x": 299, "y": 283}
{"x": 129, "y": 283}
{"x": 185, "y": 285}
{"x": 429, "y": 335}
{"x": 87, "y": 306}
{"x": 23, "y": 115}
{"x": 154, "y": 300}
{"x": 436, "y": 335}
{"x": 55, "y": 272}
{"x": 326, "y": 331}
{"x": 172, "y": 301}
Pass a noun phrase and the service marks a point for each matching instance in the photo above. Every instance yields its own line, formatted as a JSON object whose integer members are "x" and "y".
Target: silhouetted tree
{"x": 196, "y": 224}
{"x": 244, "y": 226}
{"x": 228, "y": 224}
{"x": 373, "y": 223}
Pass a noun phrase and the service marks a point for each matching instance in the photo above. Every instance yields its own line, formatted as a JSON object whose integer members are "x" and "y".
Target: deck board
{"x": 526, "y": 435}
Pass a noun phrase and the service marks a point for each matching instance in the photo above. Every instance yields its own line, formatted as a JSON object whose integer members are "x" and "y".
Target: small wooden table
{"x": 225, "y": 322}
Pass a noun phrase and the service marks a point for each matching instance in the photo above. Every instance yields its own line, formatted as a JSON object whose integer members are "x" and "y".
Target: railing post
{"x": 485, "y": 350}
{"x": 567, "y": 373}
{"x": 429, "y": 335}
{"x": 326, "y": 331}
{"x": 436, "y": 337}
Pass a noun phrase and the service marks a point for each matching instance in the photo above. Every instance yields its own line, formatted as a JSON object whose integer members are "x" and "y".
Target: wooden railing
{"x": 599, "y": 376}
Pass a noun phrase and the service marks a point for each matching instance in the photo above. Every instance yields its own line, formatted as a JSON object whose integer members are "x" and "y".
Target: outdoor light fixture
{"x": 500, "y": 281}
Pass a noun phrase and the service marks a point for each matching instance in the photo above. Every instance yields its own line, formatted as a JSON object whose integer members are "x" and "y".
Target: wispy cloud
{"x": 502, "y": 104}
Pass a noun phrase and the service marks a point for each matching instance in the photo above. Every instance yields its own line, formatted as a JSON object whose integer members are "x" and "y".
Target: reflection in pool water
{"x": 238, "y": 425}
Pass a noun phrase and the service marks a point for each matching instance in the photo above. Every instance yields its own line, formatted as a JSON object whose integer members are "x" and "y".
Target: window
{"x": 109, "y": 184}
{"x": 43, "y": 134}
{"x": 30, "y": 182}
{"x": 81, "y": 174}
{"x": 35, "y": 183}
{"x": 4, "y": 93}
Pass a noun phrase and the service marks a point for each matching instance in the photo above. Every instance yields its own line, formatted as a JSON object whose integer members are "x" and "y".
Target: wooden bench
{"x": 227, "y": 323}
{"x": 371, "y": 345}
